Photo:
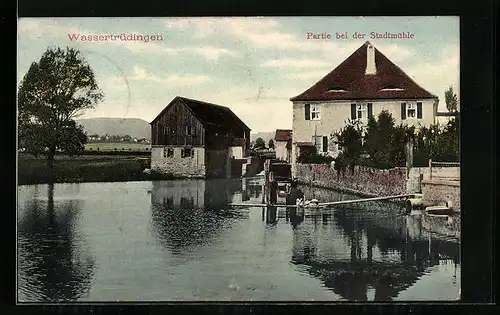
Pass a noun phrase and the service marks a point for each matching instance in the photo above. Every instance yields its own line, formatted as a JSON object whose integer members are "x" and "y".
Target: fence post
{"x": 430, "y": 168}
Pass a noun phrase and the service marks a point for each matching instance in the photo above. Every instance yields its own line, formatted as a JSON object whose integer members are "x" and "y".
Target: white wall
{"x": 236, "y": 152}
{"x": 281, "y": 150}
{"x": 176, "y": 165}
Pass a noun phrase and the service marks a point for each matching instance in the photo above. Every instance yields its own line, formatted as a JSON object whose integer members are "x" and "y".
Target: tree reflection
{"x": 190, "y": 213}
{"x": 53, "y": 263}
{"x": 386, "y": 252}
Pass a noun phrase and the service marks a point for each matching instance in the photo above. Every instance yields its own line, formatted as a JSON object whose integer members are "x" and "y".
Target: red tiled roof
{"x": 283, "y": 135}
{"x": 350, "y": 76}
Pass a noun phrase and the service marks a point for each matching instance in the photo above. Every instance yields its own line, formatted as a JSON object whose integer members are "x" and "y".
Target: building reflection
{"x": 53, "y": 261}
{"x": 361, "y": 250}
{"x": 191, "y": 213}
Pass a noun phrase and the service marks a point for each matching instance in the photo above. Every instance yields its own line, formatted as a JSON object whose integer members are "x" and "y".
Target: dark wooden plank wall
{"x": 221, "y": 138}
{"x": 170, "y": 128}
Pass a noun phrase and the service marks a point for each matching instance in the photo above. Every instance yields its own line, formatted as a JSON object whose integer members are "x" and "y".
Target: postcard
{"x": 238, "y": 159}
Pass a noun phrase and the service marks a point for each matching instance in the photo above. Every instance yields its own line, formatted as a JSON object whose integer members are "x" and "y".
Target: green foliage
{"x": 79, "y": 169}
{"x": 53, "y": 92}
{"x": 385, "y": 142}
{"x": 308, "y": 157}
{"x": 260, "y": 143}
{"x": 271, "y": 144}
{"x": 451, "y": 100}
{"x": 439, "y": 143}
{"x": 349, "y": 139}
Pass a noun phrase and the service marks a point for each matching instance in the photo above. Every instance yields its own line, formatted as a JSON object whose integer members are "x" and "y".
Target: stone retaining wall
{"x": 365, "y": 180}
{"x": 177, "y": 166}
{"x": 441, "y": 191}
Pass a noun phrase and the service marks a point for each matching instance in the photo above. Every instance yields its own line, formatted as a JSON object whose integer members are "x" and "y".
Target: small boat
{"x": 439, "y": 210}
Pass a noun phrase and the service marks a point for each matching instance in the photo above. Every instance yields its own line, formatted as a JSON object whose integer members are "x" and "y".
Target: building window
{"x": 185, "y": 153}
{"x": 187, "y": 203}
{"x": 411, "y": 110}
{"x": 361, "y": 111}
{"x": 318, "y": 143}
{"x": 315, "y": 112}
{"x": 168, "y": 152}
{"x": 188, "y": 130}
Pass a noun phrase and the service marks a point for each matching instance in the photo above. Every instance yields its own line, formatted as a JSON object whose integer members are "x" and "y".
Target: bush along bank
{"x": 36, "y": 171}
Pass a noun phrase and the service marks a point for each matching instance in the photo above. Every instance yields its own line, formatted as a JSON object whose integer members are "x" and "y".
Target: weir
{"x": 325, "y": 204}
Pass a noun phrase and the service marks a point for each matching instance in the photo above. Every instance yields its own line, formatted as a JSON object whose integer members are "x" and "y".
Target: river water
{"x": 179, "y": 241}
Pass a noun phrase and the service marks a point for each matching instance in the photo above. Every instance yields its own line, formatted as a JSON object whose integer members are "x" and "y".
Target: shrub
{"x": 350, "y": 139}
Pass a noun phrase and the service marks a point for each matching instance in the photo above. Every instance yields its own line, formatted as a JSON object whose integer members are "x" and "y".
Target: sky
{"x": 253, "y": 65}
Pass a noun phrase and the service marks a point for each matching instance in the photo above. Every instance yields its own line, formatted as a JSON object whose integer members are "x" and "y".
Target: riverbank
{"x": 85, "y": 168}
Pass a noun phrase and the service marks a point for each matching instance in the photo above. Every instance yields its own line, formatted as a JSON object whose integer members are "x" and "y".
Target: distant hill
{"x": 266, "y": 136}
{"x": 133, "y": 127}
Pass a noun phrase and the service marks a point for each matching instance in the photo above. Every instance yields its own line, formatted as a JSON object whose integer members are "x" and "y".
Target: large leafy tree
{"x": 55, "y": 91}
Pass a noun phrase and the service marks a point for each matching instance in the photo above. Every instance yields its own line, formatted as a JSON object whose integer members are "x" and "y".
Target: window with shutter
{"x": 315, "y": 112}
{"x": 308, "y": 111}
{"x": 403, "y": 111}
{"x": 370, "y": 110}
{"x": 353, "y": 111}
{"x": 419, "y": 110}
{"x": 325, "y": 144}
{"x": 411, "y": 110}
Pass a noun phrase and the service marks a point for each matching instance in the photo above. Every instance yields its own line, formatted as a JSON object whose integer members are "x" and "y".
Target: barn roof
{"x": 209, "y": 114}
{"x": 283, "y": 135}
{"x": 348, "y": 81}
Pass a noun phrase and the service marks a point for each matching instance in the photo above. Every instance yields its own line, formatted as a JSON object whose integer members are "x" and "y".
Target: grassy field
{"x": 100, "y": 168}
{"x": 119, "y": 146}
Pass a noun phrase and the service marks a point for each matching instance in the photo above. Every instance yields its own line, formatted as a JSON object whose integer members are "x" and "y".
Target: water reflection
{"x": 54, "y": 263}
{"x": 362, "y": 250}
{"x": 190, "y": 213}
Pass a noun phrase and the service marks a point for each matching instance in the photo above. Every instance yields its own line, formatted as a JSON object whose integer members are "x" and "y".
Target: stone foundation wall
{"x": 440, "y": 191}
{"x": 365, "y": 180}
{"x": 180, "y": 167}
{"x": 413, "y": 182}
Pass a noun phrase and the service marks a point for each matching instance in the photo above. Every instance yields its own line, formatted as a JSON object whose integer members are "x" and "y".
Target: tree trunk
{"x": 50, "y": 163}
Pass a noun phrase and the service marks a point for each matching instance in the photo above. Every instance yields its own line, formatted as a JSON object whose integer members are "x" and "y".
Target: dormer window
{"x": 392, "y": 88}
{"x": 336, "y": 90}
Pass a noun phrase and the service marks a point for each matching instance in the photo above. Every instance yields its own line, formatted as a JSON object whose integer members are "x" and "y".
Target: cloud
{"x": 296, "y": 63}
{"x": 30, "y": 28}
{"x": 44, "y": 28}
{"x": 439, "y": 75}
{"x": 140, "y": 74}
{"x": 394, "y": 52}
{"x": 315, "y": 75}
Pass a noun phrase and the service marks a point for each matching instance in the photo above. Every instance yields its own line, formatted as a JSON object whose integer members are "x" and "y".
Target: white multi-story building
{"x": 363, "y": 85}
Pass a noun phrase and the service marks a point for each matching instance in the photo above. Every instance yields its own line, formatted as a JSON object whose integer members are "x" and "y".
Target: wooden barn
{"x": 191, "y": 138}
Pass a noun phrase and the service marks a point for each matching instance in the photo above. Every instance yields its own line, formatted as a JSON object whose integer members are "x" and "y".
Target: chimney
{"x": 371, "y": 67}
